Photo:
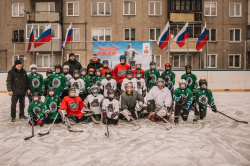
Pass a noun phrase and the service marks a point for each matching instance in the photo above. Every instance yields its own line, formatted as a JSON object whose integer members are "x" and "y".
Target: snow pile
{"x": 216, "y": 141}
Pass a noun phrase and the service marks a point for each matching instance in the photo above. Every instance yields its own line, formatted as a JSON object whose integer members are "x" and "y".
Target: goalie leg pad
{"x": 151, "y": 116}
{"x": 62, "y": 113}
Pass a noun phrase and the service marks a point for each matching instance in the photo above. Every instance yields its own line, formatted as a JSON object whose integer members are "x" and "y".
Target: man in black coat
{"x": 94, "y": 63}
{"x": 73, "y": 64}
{"x": 17, "y": 86}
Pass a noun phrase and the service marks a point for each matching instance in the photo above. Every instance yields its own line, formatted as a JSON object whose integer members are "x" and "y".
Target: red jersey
{"x": 104, "y": 70}
{"x": 142, "y": 72}
{"x": 72, "y": 106}
{"x": 120, "y": 72}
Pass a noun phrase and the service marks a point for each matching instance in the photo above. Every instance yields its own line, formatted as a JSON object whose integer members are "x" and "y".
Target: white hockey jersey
{"x": 94, "y": 103}
{"x": 68, "y": 78}
{"x": 141, "y": 85}
{"x": 110, "y": 107}
{"x": 125, "y": 81}
{"x": 78, "y": 84}
{"x": 161, "y": 97}
{"x": 108, "y": 84}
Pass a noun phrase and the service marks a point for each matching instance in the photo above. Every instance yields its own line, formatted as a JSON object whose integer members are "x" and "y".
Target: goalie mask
{"x": 76, "y": 74}
{"x": 183, "y": 84}
{"x": 58, "y": 69}
{"x": 33, "y": 68}
{"x": 66, "y": 69}
{"x": 105, "y": 64}
{"x": 203, "y": 84}
{"x": 111, "y": 94}
{"x": 72, "y": 92}
{"x": 160, "y": 83}
{"x": 51, "y": 92}
{"x": 83, "y": 71}
{"x": 138, "y": 74}
{"x": 98, "y": 73}
{"x": 36, "y": 97}
{"x": 49, "y": 72}
{"x": 108, "y": 74}
{"x": 129, "y": 74}
{"x": 91, "y": 72}
{"x": 95, "y": 90}
{"x": 129, "y": 87}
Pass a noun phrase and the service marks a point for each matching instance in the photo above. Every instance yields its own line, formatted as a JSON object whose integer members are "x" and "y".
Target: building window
{"x": 210, "y": 8}
{"x": 157, "y": 60}
{"x": 76, "y": 55}
{"x": 129, "y": 34}
{"x": 18, "y": 57}
{"x": 185, "y": 5}
{"x": 154, "y": 34}
{"x": 234, "y": 61}
{"x": 235, "y": 35}
{"x": 234, "y": 9}
{"x": 101, "y": 34}
{"x": 248, "y": 32}
{"x": 45, "y": 7}
{"x": 44, "y": 61}
{"x": 211, "y": 34}
{"x": 101, "y": 8}
{"x": 38, "y": 30}
{"x": 18, "y": 36}
{"x": 72, "y": 8}
{"x": 18, "y": 10}
{"x": 154, "y": 8}
{"x": 129, "y": 8}
{"x": 212, "y": 61}
{"x": 194, "y": 30}
{"x": 182, "y": 60}
{"x": 76, "y": 35}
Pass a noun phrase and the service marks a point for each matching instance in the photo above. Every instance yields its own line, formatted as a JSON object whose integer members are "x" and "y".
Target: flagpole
{"x": 52, "y": 57}
{"x": 168, "y": 51}
{"x": 33, "y": 46}
{"x": 187, "y": 52}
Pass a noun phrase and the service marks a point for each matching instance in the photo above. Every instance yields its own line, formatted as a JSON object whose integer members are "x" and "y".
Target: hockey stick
{"x": 168, "y": 125}
{"x": 106, "y": 120}
{"x": 137, "y": 127}
{"x": 71, "y": 129}
{"x": 27, "y": 138}
{"x": 46, "y": 132}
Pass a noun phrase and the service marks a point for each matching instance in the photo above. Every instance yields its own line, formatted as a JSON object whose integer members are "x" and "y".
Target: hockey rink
{"x": 216, "y": 141}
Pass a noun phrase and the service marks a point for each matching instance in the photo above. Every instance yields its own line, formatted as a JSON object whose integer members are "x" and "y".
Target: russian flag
{"x": 164, "y": 37}
{"x": 68, "y": 36}
{"x": 31, "y": 39}
{"x": 202, "y": 39}
{"x": 182, "y": 36}
{"x": 45, "y": 37}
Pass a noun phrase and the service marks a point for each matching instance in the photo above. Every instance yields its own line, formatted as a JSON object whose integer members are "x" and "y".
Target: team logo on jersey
{"x": 122, "y": 72}
{"x": 35, "y": 83}
{"x": 183, "y": 95}
{"x": 153, "y": 78}
{"x": 36, "y": 110}
{"x": 108, "y": 86}
{"x": 75, "y": 85}
{"x": 203, "y": 99}
{"x": 53, "y": 106}
{"x": 139, "y": 85}
{"x": 95, "y": 103}
{"x": 189, "y": 81}
{"x": 56, "y": 83}
{"x": 110, "y": 108}
{"x": 73, "y": 106}
{"x": 167, "y": 79}
{"x": 98, "y": 83}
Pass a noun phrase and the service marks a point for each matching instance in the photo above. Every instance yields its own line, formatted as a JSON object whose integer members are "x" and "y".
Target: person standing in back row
{"x": 73, "y": 64}
{"x": 94, "y": 63}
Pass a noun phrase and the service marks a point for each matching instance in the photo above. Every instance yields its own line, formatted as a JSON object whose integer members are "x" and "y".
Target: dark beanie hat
{"x": 17, "y": 62}
{"x": 71, "y": 54}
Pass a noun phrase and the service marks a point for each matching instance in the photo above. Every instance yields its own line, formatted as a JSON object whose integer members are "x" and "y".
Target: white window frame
{"x": 154, "y": 2}
{"x": 105, "y": 3}
{"x": 129, "y": 34}
{"x": 205, "y": 61}
{"x": 18, "y": 57}
{"x": 129, "y": 8}
{"x": 154, "y": 34}
{"x": 12, "y": 13}
{"x": 28, "y": 32}
{"x": 104, "y": 33}
{"x": 209, "y": 34}
{"x": 75, "y": 56}
{"x": 158, "y": 67}
{"x": 186, "y": 56}
{"x": 73, "y": 38}
{"x": 234, "y": 35}
{"x": 234, "y": 60}
{"x": 235, "y": 9}
{"x": 67, "y": 13}
{"x": 210, "y": 9}
{"x": 43, "y": 55}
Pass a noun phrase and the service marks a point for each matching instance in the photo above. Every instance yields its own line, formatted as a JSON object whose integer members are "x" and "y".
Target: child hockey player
{"x": 58, "y": 81}
{"x": 190, "y": 78}
{"x": 47, "y": 81}
{"x": 99, "y": 77}
{"x": 141, "y": 85}
{"x": 183, "y": 98}
{"x": 94, "y": 101}
{"x": 36, "y": 110}
{"x": 35, "y": 82}
{"x": 129, "y": 78}
{"x": 169, "y": 77}
{"x": 204, "y": 97}
{"x": 108, "y": 83}
{"x": 66, "y": 73}
{"x": 151, "y": 76}
{"x": 138, "y": 68}
{"x": 105, "y": 67}
{"x": 110, "y": 108}
{"x": 52, "y": 104}
{"x": 84, "y": 75}
{"x": 77, "y": 83}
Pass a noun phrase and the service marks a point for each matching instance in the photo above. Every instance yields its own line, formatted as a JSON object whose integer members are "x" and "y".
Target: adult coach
{"x": 17, "y": 85}
{"x": 73, "y": 64}
{"x": 94, "y": 63}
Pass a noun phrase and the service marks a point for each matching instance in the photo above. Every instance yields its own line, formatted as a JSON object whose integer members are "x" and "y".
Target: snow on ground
{"x": 216, "y": 141}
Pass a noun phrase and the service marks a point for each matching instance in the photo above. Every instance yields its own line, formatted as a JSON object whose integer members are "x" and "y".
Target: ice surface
{"x": 216, "y": 141}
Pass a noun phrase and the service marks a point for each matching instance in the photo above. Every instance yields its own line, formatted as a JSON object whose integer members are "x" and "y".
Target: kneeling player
{"x": 204, "y": 97}
{"x": 110, "y": 108}
{"x": 183, "y": 98}
{"x": 36, "y": 110}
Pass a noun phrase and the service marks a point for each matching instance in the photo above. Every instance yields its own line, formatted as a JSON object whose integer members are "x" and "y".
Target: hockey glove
{"x": 214, "y": 109}
{"x": 113, "y": 115}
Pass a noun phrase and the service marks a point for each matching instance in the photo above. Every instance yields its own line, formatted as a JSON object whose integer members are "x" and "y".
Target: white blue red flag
{"x": 202, "y": 39}
{"x": 164, "y": 37}
{"x": 31, "y": 39}
{"x": 45, "y": 37}
{"x": 68, "y": 36}
{"x": 182, "y": 36}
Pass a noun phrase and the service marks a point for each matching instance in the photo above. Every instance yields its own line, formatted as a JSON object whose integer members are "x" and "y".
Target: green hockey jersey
{"x": 52, "y": 104}
{"x": 36, "y": 83}
{"x": 204, "y": 97}
{"x": 151, "y": 77}
{"x": 36, "y": 108}
{"x": 59, "y": 82}
{"x": 191, "y": 81}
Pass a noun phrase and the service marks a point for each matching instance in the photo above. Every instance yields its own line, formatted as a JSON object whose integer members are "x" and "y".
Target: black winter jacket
{"x": 73, "y": 65}
{"x": 94, "y": 65}
{"x": 128, "y": 101}
{"x": 17, "y": 81}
